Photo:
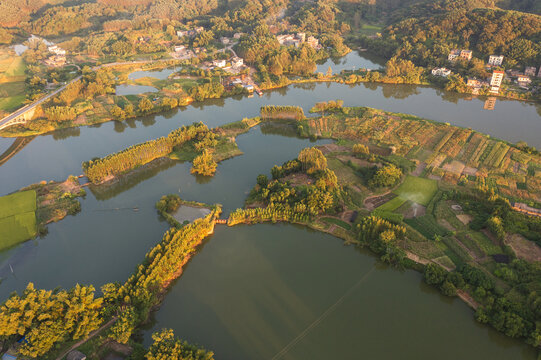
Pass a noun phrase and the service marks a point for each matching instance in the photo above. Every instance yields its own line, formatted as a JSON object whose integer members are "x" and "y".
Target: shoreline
{"x": 190, "y": 101}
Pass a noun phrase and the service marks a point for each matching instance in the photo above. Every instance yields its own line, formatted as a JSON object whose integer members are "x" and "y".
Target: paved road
{"x": 29, "y": 107}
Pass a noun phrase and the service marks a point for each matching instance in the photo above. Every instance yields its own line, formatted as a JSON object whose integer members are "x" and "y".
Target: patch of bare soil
{"x": 524, "y": 248}
{"x": 446, "y": 224}
{"x": 297, "y": 179}
{"x": 70, "y": 186}
{"x": 81, "y": 120}
{"x": 419, "y": 169}
{"x": 464, "y": 218}
{"x": 414, "y": 211}
{"x": 416, "y": 258}
{"x": 454, "y": 166}
{"x": 356, "y": 161}
{"x": 373, "y": 202}
{"x": 329, "y": 148}
{"x": 469, "y": 171}
{"x": 379, "y": 150}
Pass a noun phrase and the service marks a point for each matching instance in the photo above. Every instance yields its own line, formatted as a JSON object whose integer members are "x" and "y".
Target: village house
{"x": 473, "y": 82}
{"x": 524, "y": 81}
{"x": 497, "y": 78}
{"x": 56, "y": 50}
{"x": 224, "y": 40}
{"x": 453, "y": 55}
{"x": 288, "y": 40}
{"x": 530, "y": 71}
{"x": 179, "y": 48}
{"x": 463, "y": 54}
{"x": 466, "y": 54}
{"x": 182, "y": 33}
{"x": 495, "y": 60}
{"x": 219, "y": 63}
{"x": 237, "y": 61}
{"x": 539, "y": 73}
{"x": 237, "y": 35}
{"x": 496, "y": 81}
{"x": 55, "y": 61}
{"x": 441, "y": 72}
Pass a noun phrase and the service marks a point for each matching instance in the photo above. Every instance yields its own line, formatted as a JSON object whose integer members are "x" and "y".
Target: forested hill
{"x": 12, "y": 12}
{"x": 428, "y": 31}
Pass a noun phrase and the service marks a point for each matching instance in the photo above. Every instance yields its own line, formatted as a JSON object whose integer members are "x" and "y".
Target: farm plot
{"x": 418, "y": 190}
{"x": 17, "y": 218}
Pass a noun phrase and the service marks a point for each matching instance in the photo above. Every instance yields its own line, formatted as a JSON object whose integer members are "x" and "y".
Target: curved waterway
{"x": 284, "y": 277}
{"x": 284, "y": 292}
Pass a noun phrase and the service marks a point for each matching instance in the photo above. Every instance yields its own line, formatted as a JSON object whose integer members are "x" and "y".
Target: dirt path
{"x": 466, "y": 249}
{"x": 416, "y": 258}
{"x": 90, "y": 336}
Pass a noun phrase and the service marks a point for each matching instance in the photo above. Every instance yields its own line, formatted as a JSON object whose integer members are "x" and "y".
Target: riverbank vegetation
{"x": 460, "y": 229}
{"x": 195, "y": 143}
{"x": 168, "y": 205}
{"x": 49, "y": 322}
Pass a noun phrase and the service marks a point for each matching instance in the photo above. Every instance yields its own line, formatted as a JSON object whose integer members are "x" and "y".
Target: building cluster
{"x": 189, "y": 33}
{"x": 444, "y": 72}
{"x": 298, "y": 39}
{"x": 238, "y": 80}
{"x": 524, "y": 79}
{"x": 235, "y": 62}
{"x": 495, "y": 60}
{"x": 494, "y": 83}
{"x": 460, "y": 54}
{"x": 57, "y": 58}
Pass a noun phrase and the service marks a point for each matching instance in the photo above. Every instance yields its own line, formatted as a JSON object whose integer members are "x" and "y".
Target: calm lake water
{"x": 126, "y": 89}
{"x": 352, "y": 61}
{"x": 252, "y": 290}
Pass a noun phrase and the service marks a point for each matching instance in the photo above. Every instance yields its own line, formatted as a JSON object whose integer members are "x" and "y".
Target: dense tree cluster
{"x": 382, "y": 237}
{"x": 485, "y": 31}
{"x": 166, "y": 346}
{"x": 46, "y": 318}
{"x": 282, "y": 112}
{"x": 387, "y": 175}
{"x": 163, "y": 264}
{"x": 204, "y": 164}
{"x": 328, "y": 106}
{"x": 169, "y": 203}
{"x": 98, "y": 170}
{"x": 315, "y": 196}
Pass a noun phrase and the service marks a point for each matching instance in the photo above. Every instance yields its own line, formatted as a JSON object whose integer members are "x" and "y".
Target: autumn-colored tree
{"x": 312, "y": 160}
{"x": 388, "y": 175}
{"x": 204, "y": 164}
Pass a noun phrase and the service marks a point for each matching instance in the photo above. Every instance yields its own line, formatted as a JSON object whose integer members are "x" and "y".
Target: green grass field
{"x": 17, "y": 218}
{"x": 417, "y": 189}
{"x": 393, "y": 204}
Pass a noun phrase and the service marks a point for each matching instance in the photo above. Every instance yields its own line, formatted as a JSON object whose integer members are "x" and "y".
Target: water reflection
{"x": 66, "y": 133}
{"x": 124, "y": 183}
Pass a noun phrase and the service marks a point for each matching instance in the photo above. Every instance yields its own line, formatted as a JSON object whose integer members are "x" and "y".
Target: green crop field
{"x": 17, "y": 218}
{"x": 393, "y": 204}
{"x": 417, "y": 189}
